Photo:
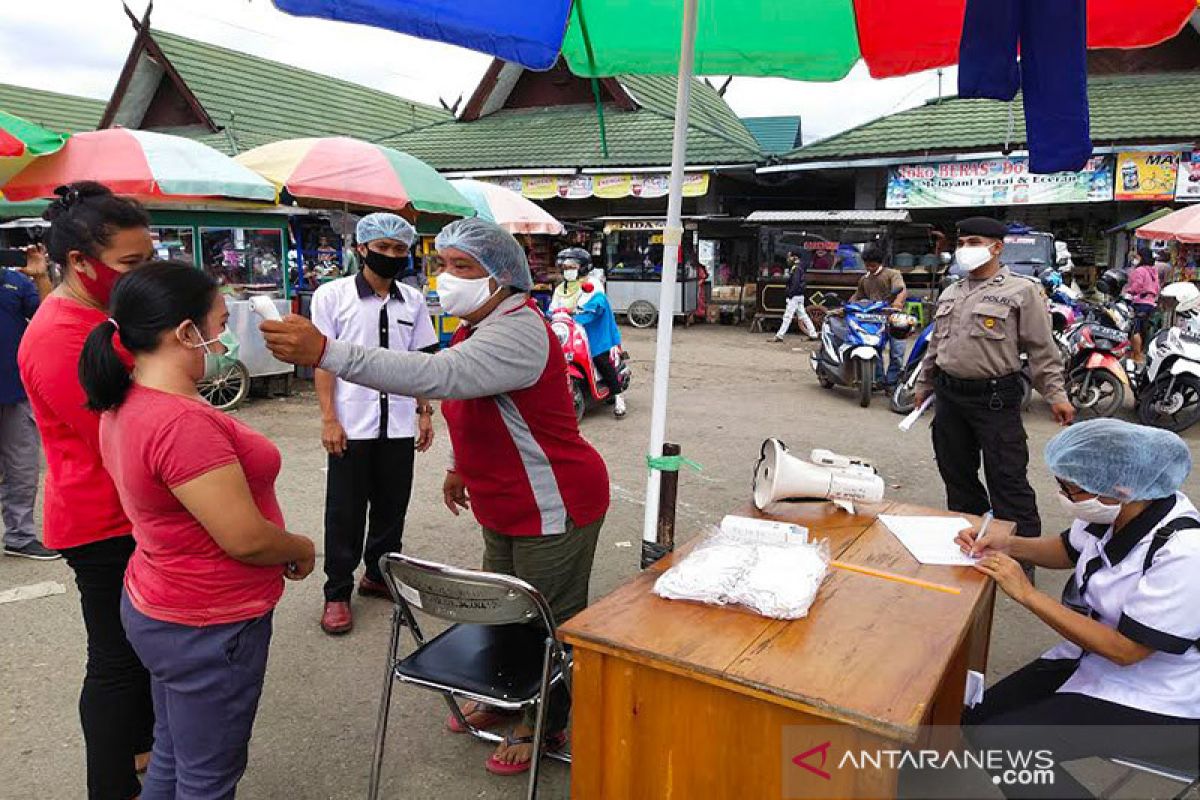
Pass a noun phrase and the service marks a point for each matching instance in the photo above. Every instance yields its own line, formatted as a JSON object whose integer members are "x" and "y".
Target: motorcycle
{"x": 1169, "y": 395}
{"x": 1096, "y": 379}
{"x": 852, "y": 344}
{"x": 587, "y": 389}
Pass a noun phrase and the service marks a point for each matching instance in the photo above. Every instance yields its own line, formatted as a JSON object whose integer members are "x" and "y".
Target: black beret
{"x": 982, "y": 226}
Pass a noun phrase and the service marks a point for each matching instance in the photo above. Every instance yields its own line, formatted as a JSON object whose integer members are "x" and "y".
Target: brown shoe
{"x": 337, "y": 618}
{"x": 370, "y": 588}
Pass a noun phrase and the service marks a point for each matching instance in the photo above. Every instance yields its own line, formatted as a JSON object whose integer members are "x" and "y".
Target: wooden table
{"x": 682, "y": 700}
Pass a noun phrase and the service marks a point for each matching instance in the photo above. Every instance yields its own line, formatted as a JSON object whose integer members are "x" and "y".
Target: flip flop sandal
{"x": 554, "y": 742}
{"x": 482, "y": 717}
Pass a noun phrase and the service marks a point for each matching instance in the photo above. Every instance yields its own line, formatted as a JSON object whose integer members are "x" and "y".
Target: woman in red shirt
{"x": 95, "y": 237}
{"x": 212, "y": 553}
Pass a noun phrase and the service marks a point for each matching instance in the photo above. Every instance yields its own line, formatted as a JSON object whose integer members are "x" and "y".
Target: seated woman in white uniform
{"x": 1129, "y": 616}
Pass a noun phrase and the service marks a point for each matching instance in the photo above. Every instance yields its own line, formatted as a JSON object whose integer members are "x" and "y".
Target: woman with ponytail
{"x": 212, "y": 552}
{"x": 95, "y": 237}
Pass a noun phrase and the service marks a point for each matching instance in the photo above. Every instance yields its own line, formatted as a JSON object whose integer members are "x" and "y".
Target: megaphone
{"x": 780, "y": 475}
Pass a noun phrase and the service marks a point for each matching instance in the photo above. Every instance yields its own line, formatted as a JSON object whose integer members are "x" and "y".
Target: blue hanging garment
{"x": 1051, "y": 38}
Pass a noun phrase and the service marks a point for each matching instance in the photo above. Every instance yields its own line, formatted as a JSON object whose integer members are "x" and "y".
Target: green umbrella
{"x": 21, "y": 141}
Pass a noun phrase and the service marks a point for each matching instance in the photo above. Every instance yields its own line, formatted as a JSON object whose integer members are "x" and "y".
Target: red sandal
{"x": 554, "y": 743}
{"x": 482, "y": 717}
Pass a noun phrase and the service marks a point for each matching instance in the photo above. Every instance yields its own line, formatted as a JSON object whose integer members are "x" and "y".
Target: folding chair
{"x": 1190, "y": 780}
{"x": 502, "y": 649}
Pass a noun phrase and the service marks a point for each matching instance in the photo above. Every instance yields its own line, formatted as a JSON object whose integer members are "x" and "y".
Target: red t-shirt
{"x": 178, "y": 573}
{"x": 81, "y": 503}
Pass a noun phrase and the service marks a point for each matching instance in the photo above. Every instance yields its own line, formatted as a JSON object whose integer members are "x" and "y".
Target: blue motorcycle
{"x": 852, "y": 346}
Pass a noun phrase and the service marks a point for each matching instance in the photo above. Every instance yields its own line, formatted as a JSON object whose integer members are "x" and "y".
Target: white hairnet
{"x": 1118, "y": 459}
{"x": 382, "y": 225}
{"x": 492, "y": 246}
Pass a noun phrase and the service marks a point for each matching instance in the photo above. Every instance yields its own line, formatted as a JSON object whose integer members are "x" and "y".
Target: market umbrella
{"x": 341, "y": 172}
{"x": 508, "y": 209}
{"x": 21, "y": 142}
{"x": 1178, "y": 226}
{"x": 800, "y": 39}
{"x": 141, "y": 164}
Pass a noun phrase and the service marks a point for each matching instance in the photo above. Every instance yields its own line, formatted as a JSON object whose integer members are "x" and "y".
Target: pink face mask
{"x": 101, "y": 286}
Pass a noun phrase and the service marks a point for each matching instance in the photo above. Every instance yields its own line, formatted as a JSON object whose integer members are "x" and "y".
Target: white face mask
{"x": 461, "y": 296}
{"x": 571, "y": 274}
{"x": 1090, "y": 510}
{"x": 972, "y": 258}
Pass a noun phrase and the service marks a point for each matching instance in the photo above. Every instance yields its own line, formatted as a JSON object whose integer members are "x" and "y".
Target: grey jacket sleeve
{"x": 504, "y": 355}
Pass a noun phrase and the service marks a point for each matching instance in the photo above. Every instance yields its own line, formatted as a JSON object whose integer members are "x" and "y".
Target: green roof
{"x": 775, "y": 135}
{"x": 59, "y": 112}
{"x": 569, "y": 136}
{"x": 1125, "y": 109}
{"x": 258, "y": 101}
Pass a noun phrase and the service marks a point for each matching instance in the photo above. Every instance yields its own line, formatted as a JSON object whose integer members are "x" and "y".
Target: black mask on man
{"x": 386, "y": 267}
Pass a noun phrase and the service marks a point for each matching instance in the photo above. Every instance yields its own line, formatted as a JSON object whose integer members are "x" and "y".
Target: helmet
{"x": 581, "y": 257}
{"x": 901, "y": 325}
{"x": 1051, "y": 280}
{"x": 1184, "y": 296}
{"x": 1111, "y": 282}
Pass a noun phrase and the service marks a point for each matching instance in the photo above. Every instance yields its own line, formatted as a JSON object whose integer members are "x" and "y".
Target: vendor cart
{"x": 633, "y": 261}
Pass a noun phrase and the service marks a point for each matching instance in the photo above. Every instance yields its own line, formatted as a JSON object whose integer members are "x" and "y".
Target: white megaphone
{"x": 781, "y": 476}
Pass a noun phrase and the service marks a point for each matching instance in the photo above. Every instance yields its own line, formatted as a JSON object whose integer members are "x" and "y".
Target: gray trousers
{"x": 20, "y": 465}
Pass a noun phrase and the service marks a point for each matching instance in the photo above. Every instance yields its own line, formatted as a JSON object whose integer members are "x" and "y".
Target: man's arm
{"x": 333, "y": 434}
{"x": 899, "y": 290}
{"x": 859, "y": 291}
{"x": 1037, "y": 340}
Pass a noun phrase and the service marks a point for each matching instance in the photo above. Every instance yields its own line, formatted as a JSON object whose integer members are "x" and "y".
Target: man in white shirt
{"x": 370, "y": 436}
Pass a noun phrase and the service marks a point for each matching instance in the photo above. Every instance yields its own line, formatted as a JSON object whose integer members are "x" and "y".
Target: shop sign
{"x": 1187, "y": 185}
{"x": 606, "y": 187}
{"x": 996, "y": 182}
{"x": 1146, "y": 176}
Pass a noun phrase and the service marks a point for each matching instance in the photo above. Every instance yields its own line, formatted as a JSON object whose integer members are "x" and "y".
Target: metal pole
{"x": 668, "y": 495}
{"x": 672, "y": 238}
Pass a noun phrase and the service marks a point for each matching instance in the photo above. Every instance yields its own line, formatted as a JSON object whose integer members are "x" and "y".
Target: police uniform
{"x": 973, "y": 364}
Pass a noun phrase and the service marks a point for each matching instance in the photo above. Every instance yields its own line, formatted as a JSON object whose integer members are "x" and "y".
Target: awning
{"x": 767, "y": 217}
{"x": 1134, "y": 224}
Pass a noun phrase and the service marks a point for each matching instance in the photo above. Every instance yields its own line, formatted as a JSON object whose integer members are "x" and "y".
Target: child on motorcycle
{"x": 593, "y": 311}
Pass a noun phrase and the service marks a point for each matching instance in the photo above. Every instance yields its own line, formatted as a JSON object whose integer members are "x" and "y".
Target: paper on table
{"x": 930, "y": 539}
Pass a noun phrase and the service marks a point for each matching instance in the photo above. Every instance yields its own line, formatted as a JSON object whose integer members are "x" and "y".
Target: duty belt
{"x": 979, "y": 386}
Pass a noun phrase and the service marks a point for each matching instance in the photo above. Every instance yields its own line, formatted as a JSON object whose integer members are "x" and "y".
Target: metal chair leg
{"x": 539, "y": 729}
{"x": 385, "y": 704}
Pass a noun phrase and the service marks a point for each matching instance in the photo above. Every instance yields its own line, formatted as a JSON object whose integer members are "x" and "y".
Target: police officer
{"x": 981, "y": 326}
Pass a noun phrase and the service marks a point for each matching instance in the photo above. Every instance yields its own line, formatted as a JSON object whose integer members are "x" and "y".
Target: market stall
{"x": 633, "y": 265}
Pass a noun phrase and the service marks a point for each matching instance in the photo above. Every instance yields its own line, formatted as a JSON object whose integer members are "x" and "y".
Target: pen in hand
{"x": 987, "y": 520}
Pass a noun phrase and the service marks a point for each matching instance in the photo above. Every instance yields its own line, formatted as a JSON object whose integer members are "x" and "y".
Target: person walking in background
{"x": 883, "y": 285}
{"x": 1142, "y": 292}
{"x": 96, "y": 237}
{"x": 212, "y": 551}
{"x": 370, "y": 436}
{"x": 795, "y": 302}
{"x": 20, "y": 458}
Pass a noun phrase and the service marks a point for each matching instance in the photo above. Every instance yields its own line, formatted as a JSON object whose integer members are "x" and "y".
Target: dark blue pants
{"x": 206, "y": 683}
{"x": 1052, "y": 73}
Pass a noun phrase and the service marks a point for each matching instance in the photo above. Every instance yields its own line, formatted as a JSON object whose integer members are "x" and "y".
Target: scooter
{"x": 852, "y": 344}
{"x": 1169, "y": 395}
{"x": 1096, "y": 379}
{"x": 587, "y": 389}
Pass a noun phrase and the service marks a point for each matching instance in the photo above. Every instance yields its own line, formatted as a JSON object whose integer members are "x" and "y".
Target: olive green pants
{"x": 558, "y": 566}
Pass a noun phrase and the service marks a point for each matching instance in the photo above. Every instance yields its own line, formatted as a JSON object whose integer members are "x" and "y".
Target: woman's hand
{"x": 424, "y": 432}
{"x": 302, "y": 567}
{"x": 454, "y": 493}
{"x": 1008, "y": 575}
{"x": 995, "y": 540}
{"x": 36, "y": 264}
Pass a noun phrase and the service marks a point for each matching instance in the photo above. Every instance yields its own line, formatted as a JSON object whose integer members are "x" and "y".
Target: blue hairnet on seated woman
{"x": 493, "y": 247}
{"x": 1127, "y": 462}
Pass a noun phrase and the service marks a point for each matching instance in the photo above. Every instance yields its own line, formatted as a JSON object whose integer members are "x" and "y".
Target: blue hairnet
{"x": 492, "y": 246}
{"x": 382, "y": 225}
{"x": 1118, "y": 459}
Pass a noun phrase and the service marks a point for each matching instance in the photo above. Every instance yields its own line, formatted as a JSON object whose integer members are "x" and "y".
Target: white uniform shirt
{"x": 348, "y": 310}
{"x": 1159, "y": 608}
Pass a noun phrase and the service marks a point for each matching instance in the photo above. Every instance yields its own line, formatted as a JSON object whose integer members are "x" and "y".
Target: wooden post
{"x": 668, "y": 494}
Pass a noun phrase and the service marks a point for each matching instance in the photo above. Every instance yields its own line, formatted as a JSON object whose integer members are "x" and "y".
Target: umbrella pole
{"x": 672, "y": 239}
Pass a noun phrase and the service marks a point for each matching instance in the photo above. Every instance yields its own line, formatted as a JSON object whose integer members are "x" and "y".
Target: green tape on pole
{"x": 672, "y": 463}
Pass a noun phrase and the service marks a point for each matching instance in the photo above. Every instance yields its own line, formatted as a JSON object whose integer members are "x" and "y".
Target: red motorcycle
{"x": 1096, "y": 378}
{"x": 587, "y": 389}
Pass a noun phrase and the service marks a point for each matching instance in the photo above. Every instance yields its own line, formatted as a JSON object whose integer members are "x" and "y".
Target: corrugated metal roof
{"x": 58, "y": 112}
{"x": 766, "y": 217}
{"x": 775, "y": 135}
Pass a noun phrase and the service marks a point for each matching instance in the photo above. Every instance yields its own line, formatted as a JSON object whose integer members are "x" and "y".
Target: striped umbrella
{"x": 141, "y": 164}
{"x": 506, "y": 208}
{"x": 340, "y": 172}
{"x": 21, "y": 142}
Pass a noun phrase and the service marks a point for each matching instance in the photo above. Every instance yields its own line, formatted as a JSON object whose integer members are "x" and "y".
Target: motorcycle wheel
{"x": 1095, "y": 393}
{"x": 1176, "y": 411}
{"x": 903, "y": 399}
{"x": 866, "y": 376}
{"x": 579, "y": 400}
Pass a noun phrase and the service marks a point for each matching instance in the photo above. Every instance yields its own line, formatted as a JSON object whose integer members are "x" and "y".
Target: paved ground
{"x": 313, "y": 737}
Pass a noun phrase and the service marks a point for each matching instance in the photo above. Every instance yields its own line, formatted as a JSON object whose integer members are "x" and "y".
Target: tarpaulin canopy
{"x": 817, "y": 40}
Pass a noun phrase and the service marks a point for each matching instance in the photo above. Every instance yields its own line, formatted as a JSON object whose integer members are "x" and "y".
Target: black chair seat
{"x": 501, "y": 661}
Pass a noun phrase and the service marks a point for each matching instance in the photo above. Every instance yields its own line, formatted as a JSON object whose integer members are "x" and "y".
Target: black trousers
{"x": 115, "y": 706}
{"x": 1024, "y": 712}
{"x": 374, "y": 474}
{"x": 968, "y": 426}
{"x": 608, "y": 373}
